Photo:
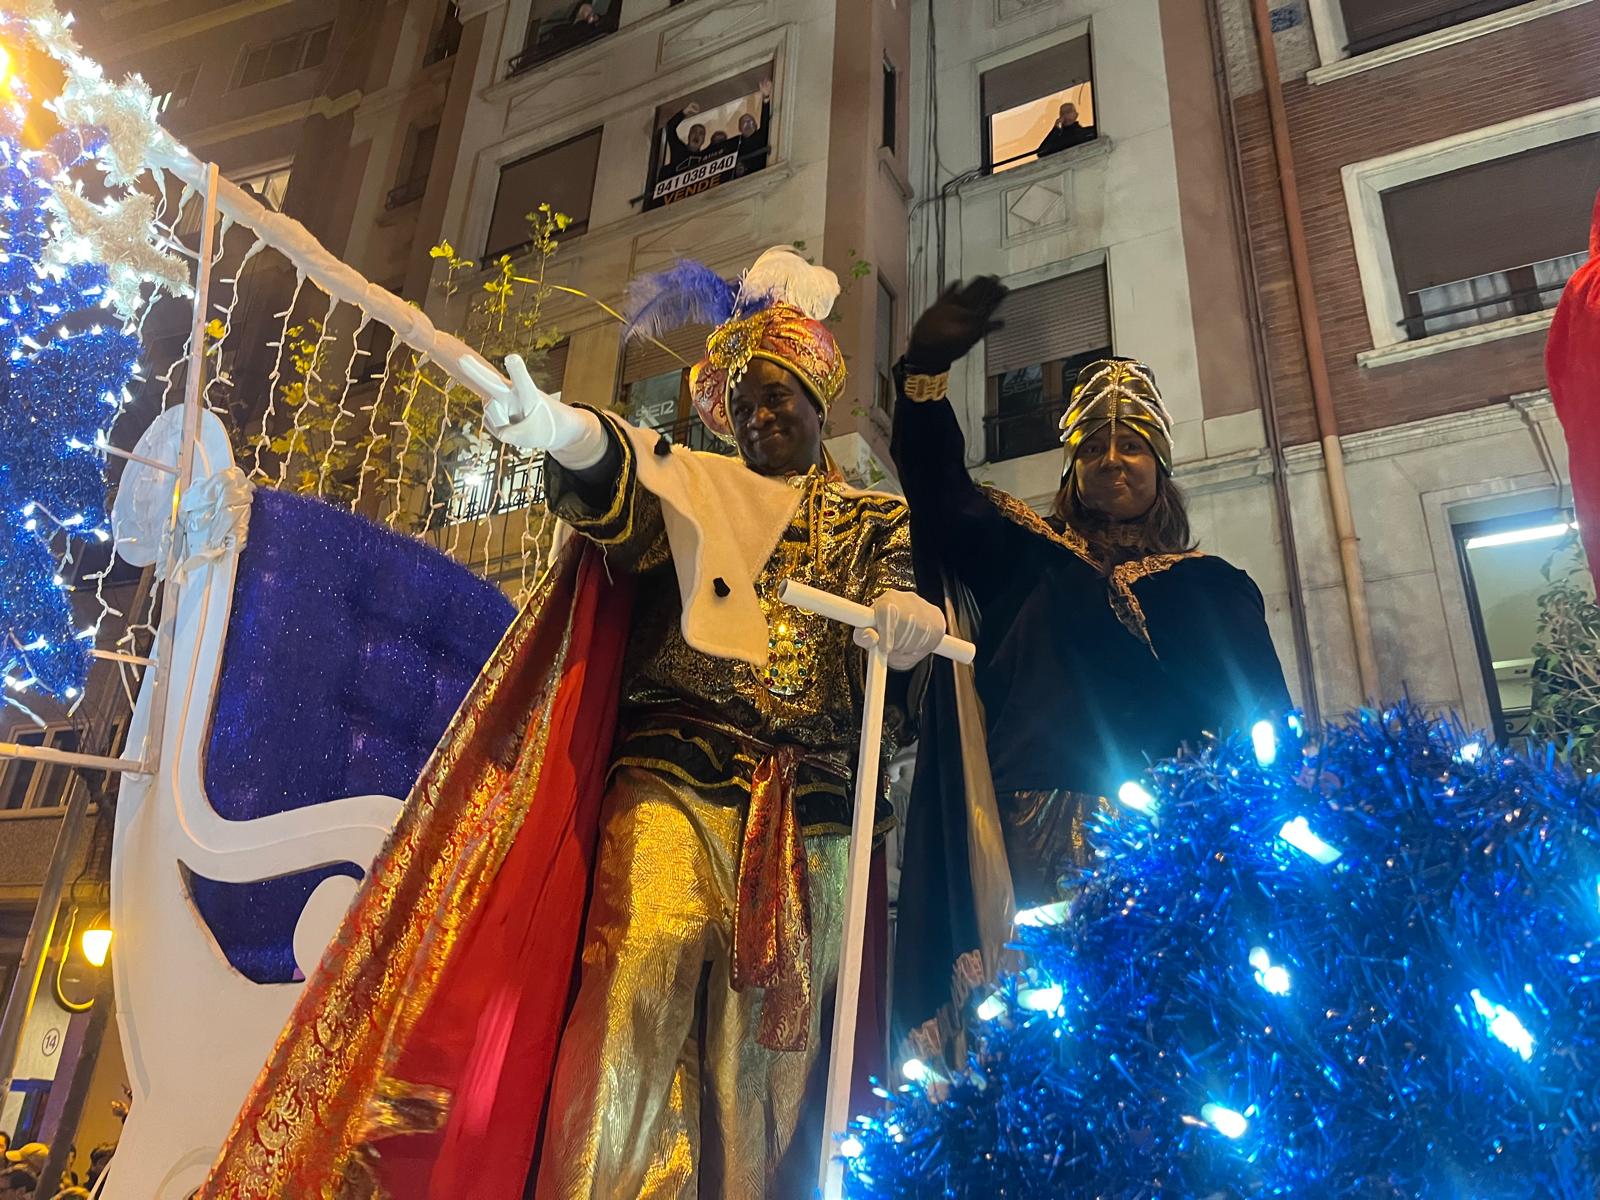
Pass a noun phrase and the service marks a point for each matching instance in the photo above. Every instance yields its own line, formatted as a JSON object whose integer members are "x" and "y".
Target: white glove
{"x": 907, "y": 626}
{"x": 522, "y": 415}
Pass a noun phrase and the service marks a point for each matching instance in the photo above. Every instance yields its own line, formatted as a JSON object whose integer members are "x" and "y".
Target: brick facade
{"x": 1535, "y": 66}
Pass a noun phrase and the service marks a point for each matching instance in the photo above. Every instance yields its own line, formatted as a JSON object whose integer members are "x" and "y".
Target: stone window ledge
{"x": 1440, "y": 343}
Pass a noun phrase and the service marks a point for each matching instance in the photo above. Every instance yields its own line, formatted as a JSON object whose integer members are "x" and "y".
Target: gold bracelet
{"x": 922, "y": 388}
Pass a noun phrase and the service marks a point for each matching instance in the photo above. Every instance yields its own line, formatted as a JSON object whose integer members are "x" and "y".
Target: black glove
{"x": 957, "y": 321}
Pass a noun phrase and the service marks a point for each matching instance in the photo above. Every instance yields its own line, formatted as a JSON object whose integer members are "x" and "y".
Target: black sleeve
{"x": 955, "y": 528}
{"x": 677, "y": 148}
{"x": 1208, "y": 624}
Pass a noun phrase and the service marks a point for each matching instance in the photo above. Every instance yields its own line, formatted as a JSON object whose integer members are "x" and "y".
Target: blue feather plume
{"x": 686, "y": 293}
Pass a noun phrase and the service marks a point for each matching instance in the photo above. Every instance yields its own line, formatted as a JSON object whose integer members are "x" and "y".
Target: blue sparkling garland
{"x": 64, "y": 362}
{"x": 1360, "y": 964}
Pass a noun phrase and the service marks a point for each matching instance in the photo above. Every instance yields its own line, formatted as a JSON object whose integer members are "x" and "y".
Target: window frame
{"x": 657, "y": 160}
{"x": 1365, "y": 183}
{"x": 889, "y": 138}
{"x": 1055, "y": 382}
{"x": 578, "y": 226}
{"x": 1461, "y": 533}
{"x": 1083, "y": 30}
{"x": 306, "y": 39}
{"x": 38, "y": 771}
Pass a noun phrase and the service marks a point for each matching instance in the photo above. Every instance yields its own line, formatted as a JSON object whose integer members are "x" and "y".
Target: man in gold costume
{"x": 691, "y": 1059}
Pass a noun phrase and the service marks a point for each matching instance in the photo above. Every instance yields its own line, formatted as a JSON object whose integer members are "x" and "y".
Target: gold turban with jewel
{"x": 775, "y": 311}
{"x": 780, "y": 334}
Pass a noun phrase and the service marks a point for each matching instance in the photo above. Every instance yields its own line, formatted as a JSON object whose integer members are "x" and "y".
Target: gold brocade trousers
{"x": 661, "y": 1090}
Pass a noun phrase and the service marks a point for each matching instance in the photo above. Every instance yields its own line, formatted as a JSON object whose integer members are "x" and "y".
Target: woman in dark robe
{"x": 1105, "y": 641}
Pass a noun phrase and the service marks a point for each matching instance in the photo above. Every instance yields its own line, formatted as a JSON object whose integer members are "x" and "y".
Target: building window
{"x": 1052, "y": 330}
{"x": 173, "y": 92}
{"x": 486, "y": 477}
{"x": 891, "y": 105}
{"x": 1039, "y": 105}
{"x": 413, "y": 180}
{"x": 562, "y": 177}
{"x": 446, "y": 38}
{"x": 282, "y": 56}
{"x": 655, "y": 388}
{"x": 884, "y": 356}
{"x": 270, "y": 187}
{"x": 33, "y": 785}
{"x": 557, "y": 26}
{"x": 720, "y": 133}
{"x": 1494, "y": 240}
{"x": 1373, "y": 24}
{"x": 1503, "y": 565}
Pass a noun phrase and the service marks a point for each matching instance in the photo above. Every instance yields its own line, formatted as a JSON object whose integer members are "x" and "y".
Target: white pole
{"x": 193, "y": 384}
{"x": 841, "y": 1061}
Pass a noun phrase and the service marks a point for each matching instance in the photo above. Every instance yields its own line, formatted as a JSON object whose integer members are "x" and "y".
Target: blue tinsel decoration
{"x": 1360, "y": 964}
{"x": 64, "y": 361}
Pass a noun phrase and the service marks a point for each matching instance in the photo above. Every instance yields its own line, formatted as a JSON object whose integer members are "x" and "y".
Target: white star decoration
{"x": 117, "y": 234}
{"x": 126, "y": 111}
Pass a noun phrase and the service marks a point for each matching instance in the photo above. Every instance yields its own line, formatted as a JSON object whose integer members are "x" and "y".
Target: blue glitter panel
{"x": 349, "y": 649}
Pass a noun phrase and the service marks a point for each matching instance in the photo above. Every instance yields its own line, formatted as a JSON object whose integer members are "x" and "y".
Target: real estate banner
{"x": 695, "y": 179}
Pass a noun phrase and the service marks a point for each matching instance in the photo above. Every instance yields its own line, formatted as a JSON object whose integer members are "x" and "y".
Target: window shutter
{"x": 1053, "y": 320}
{"x": 1042, "y": 74}
{"x": 643, "y": 359}
{"x": 1494, "y": 216}
{"x": 562, "y": 177}
{"x": 551, "y": 373}
{"x": 1374, "y": 23}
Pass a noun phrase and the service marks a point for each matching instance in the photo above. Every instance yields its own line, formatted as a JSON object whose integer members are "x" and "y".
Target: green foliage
{"x": 1566, "y": 667}
{"x": 343, "y": 442}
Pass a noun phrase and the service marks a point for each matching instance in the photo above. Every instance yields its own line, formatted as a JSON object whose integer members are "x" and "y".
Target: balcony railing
{"x": 551, "y": 37}
{"x": 1405, "y": 21}
{"x": 1023, "y": 432}
{"x": 406, "y": 193}
{"x": 513, "y": 481}
{"x": 1480, "y": 310}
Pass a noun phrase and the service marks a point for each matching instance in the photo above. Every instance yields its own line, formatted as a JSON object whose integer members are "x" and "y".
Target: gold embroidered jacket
{"x": 708, "y": 721}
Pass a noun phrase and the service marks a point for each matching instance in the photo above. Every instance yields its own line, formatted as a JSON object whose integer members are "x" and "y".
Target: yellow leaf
{"x": 442, "y": 250}
{"x": 215, "y": 328}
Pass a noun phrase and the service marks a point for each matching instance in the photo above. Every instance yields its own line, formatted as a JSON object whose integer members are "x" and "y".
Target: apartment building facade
{"x": 329, "y": 112}
{"x": 672, "y": 129}
{"x": 1445, "y": 158}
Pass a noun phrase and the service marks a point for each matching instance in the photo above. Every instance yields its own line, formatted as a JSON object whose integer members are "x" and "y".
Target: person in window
{"x": 754, "y": 137}
{"x": 1105, "y": 640}
{"x": 1065, "y": 133}
{"x": 682, "y": 152}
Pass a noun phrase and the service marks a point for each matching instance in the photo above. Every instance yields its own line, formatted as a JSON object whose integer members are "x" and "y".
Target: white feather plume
{"x": 782, "y": 276}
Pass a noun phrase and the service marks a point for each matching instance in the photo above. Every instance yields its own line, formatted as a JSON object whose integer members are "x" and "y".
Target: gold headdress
{"x": 1113, "y": 390}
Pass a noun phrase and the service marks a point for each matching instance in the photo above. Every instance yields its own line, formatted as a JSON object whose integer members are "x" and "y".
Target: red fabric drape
{"x": 491, "y": 1038}
{"x": 1572, "y": 361}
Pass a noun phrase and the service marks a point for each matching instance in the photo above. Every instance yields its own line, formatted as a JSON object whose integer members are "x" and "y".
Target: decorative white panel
{"x": 1034, "y": 207}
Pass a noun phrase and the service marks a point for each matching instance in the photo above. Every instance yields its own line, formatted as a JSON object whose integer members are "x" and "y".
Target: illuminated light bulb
{"x": 1273, "y": 978}
{"x": 1265, "y": 740}
{"x": 30, "y": 524}
{"x": 1135, "y": 796}
{"x": 1224, "y": 1120}
{"x": 1296, "y": 726}
{"x": 851, "y": 1147}
{"x": 1041, "y": 999}
{"x": 1298, "y": 834}
{"x": 1470, "y": 753}
{"x": 915, "y": 1070}
{"x": 1504, "y": 1025}
{"x": 1044, "y": 916}
{"x": 992, "y": 1008}
{"x": 71, "y": 693}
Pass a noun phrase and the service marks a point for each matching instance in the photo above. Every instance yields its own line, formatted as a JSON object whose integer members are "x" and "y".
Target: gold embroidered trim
{"x": 920, "y": 389}
{"x": 622, "y": 499}
{"x": 1124, "y": 575}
